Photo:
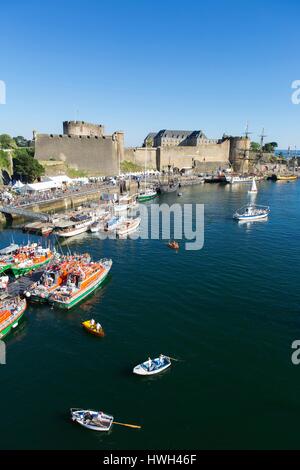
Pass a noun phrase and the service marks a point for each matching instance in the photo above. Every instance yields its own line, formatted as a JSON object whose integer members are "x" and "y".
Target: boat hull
{"x": 5, "y": 331}
{"x": 146, "y": 197}
{"x": 18, "y": 271}
{"x": 251, "y": 217}
{"x": 141, "y": 369}
{"x": 87, "y": 327}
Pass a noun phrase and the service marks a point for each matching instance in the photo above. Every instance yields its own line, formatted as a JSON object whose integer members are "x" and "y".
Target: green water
{"x": 230, "y": 311}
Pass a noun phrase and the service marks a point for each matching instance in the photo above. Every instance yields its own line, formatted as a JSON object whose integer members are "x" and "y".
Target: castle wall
{"x": 137, "y": 155}
{"x": 239, "y": 154}
{"x": 93, "y": 154}
{"x": 189, "y": 156}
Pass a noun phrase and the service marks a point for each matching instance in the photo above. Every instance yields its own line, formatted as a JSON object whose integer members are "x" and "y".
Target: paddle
{"x": 128, "y": 425}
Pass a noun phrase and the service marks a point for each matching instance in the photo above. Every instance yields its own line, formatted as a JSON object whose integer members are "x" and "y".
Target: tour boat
{"x": 253, "y": 187}
{"x": 153, "y": 366}
{"x": 252, "y": 212}
{"x": 147, "y": 195}
{"x": 76, "y": 226}
{"x": 11, "y": 312}
{"x": 6, "y": 256}
{"x": 82, "y": 280}
{"x": 30, "y": 258}
{"x": 231, "y": 179}
{"x": 91, "y": 419}
{"x": 87, "y": 325}
{"x": 128, "y": 226}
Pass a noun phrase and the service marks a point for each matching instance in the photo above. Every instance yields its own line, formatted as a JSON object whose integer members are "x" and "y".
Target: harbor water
{"x": 229, "y": 312}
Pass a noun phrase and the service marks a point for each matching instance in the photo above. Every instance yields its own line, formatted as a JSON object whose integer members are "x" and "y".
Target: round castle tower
{"x": 239, "y": 153}
{"x": 82, "y": 128}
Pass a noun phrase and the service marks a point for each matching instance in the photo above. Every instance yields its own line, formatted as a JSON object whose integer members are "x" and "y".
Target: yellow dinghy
{"x": 92, "y": 328}
{"x": 286, "y": 177}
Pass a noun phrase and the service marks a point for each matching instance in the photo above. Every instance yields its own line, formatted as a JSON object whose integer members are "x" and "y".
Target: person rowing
{"x": 149, "y": 363}
{"x": 93, "y": 323}
{"x": 98, "y": 327}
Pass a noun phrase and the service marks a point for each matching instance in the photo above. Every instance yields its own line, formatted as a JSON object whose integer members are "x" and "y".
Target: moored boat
{"x": 127, "y": 227}
{"x": 91, "y": 419}
{"x": 286, "y": 177}
{"x": 11, "y": 312}
{"x": 82, "y": 281}
{"x": 147, "y": 195}
{"x": 253, "y": 187}
{"x": 153, "y": 366}
{"x": 232, "y": 179}
{"x": 251, "y": 212}
{"x": 30, "y": 258}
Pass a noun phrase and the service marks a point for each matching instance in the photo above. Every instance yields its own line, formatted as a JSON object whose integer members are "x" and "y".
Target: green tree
{"x": 25, "y": 167}
{"x": 7, "y": 142}
{"x": 270, "y": 147}
{"x": 255, "y": 146}
{"x": 21, "y": 141}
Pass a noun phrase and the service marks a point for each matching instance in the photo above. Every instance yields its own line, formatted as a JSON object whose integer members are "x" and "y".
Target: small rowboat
{"x": 152, "y": 367}
{"x": 92, "y": 328}
{"x": 174, "y": 245}
{"x": 90, "y": 419}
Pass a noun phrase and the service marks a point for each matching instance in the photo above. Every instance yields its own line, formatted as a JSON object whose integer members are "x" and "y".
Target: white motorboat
{"x": 231, "y": 179}
{"x": 77, "y": 225}
{"x": 113, "y": 223}
{"x": 128, "y": 226}
{"x": 251, "y": 212}
{"x": 153, "y": 366}
{"x": 253, "y": 187}
{"x": 91, "y": 419}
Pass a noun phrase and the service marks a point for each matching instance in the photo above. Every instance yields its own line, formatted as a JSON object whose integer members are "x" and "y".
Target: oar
{"x": 174, "y": 359}
{"x": 128, "y": 425}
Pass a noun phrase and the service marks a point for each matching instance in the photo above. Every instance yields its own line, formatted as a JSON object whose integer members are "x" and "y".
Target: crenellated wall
{"x": 90, "y": 153}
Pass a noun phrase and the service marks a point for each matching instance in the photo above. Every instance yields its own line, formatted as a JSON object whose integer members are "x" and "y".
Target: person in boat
{"x": 98, "y": 327}
{"x": 161, "y": 358}
{"x": 93, "y": 323}
{"x": 149, "y": 363}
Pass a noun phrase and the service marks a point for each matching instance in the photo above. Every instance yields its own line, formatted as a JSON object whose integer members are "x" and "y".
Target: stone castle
{"x": 190, "y": 149}
{"x": 84, "y": 146}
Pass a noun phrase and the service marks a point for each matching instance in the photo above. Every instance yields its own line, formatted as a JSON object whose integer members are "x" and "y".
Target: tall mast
{"x": 262, "y": 136}
{"x": 246, "y": 134}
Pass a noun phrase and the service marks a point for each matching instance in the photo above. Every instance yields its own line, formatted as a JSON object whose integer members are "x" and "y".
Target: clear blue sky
{"x": 140, "y": 66}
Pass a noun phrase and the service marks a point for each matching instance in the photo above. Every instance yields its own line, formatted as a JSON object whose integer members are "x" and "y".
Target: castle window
{"x": 60, "y": 135}
{"x": 51, "y": 135}
{"x": 80, "y": 137}
{"x": 69, "y": 136}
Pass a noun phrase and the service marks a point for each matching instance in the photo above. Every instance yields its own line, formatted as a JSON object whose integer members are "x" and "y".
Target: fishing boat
{"x": 5, "y": 264}
{"x": 6, "y": 258}
{"x": 91, "y": 419}
{"x": 147, "y": 195}
{"x": 91, "y": 327}
{"x": 251, "y": 212}
{"x": 174, "y": 245}
{"x": 11, "y": 312}
{"x": 127, "y": 227}
{"x": 50, "y": 280}
{"x": 232, "y": 179}
{"x": 77, "y": 225}
{"x": 153, "y": 366}
{"x": 9, "y": 250}
{"x": 82, "y": 281}
{"x": 30, "y": 258}
{"x": 253, "y": 187}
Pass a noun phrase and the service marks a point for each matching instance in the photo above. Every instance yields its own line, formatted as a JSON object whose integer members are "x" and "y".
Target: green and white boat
{"x": 147, "y": 195}
{"x": 81, "y": 284}
{"x": 11, "y": 312}
{"x": 40, "y": 257}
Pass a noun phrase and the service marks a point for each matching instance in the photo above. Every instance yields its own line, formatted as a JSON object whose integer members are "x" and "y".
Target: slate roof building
{"x": 171, "y": 138}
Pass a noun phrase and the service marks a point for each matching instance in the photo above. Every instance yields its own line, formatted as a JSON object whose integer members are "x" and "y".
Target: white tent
{"x": 59, "y": 179}
{"x": 38, "y": 187}
{"x": 18, "y": 184}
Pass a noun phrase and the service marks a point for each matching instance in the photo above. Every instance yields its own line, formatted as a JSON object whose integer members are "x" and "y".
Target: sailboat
{"x": 253, "y": 187}
{"x": 147, "y": 194}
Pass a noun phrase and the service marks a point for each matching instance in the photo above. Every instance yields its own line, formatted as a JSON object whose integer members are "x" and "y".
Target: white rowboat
{"x": 152, "y": 367}
{"x": 91, "y": 419}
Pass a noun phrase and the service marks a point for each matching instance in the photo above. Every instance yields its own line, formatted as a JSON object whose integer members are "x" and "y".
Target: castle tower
{"x": 239, "y": 153}
{"x": 82, "y": 128}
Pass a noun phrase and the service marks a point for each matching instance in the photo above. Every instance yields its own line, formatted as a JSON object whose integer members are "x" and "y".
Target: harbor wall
{"x": 138, "y": 155}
